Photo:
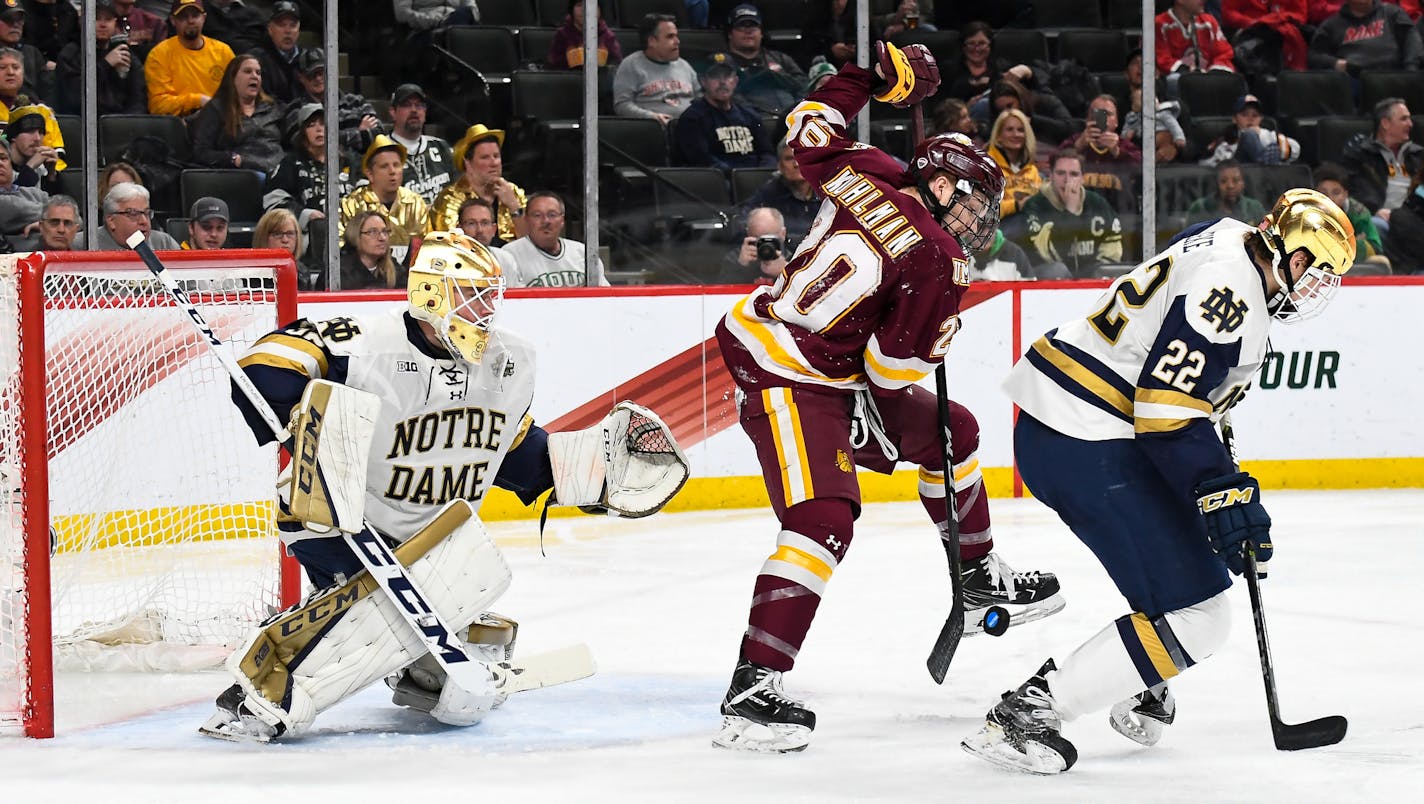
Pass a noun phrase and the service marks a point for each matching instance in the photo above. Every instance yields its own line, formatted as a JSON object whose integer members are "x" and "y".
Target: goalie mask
{"x": 1306, "y": 219}
{"x": 456, "y": 286}
{"x": 971, "y": 211}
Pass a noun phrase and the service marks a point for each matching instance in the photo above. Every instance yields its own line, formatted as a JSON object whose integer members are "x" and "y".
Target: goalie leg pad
{"x": 628, "y": 464}
{"x": 332, "y": 428}
{"x": 340, "y": 640}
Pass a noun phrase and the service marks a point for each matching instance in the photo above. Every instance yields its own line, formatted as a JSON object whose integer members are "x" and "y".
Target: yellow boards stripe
{"x": 166, "y": 525}
{"x": 1156, "y": 651}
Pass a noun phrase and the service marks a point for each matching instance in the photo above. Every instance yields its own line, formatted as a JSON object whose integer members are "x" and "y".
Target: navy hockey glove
{"x": 1235, "y": 519}
{"x": 910, "y": 72}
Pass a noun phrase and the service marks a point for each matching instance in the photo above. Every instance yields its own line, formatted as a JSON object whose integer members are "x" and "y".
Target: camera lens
{"x": 768, "y": 248}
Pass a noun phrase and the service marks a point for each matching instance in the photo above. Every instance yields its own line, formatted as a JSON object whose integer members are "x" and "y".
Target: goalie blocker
{"x": 627, "y": 465}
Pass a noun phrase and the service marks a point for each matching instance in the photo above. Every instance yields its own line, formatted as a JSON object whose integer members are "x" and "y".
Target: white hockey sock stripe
{"x": 785, "y": 420}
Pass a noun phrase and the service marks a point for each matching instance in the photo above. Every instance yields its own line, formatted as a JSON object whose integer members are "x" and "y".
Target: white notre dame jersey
{"x": 1175, "y": 340}
{"x": 445, "y": 426}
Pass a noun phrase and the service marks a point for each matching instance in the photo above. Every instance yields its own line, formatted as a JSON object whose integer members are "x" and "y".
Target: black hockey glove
{"x": 1235, "y": 519}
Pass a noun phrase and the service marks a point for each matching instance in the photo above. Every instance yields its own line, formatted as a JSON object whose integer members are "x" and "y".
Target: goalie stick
{"x": 439, "y": 638}
{"x": 1323, "y": 731}
{"x": 942, "y": 653}
{"x": 546, "y": 669}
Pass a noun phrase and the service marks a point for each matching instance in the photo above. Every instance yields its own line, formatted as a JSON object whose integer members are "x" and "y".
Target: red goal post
{"x": 137, "y": 530}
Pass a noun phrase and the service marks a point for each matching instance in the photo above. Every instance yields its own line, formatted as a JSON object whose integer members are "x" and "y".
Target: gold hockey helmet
{"x": 1306, "y": 219}
{"x": 456, "y": 286}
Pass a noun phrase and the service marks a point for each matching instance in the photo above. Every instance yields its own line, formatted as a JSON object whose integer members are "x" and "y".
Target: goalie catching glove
{"x": 911, "y": 73}
{"x": 1235, "y": 520}
{"x": 628, "y": 464}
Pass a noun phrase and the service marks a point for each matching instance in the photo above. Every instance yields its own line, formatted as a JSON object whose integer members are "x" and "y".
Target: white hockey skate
{"x": 1143, "y": 717}
{"x": 234, "y": 722}
{"x": 1026, "y": 596}
{"x": 758, "y": 716}
{"x": 1022, "y": 732}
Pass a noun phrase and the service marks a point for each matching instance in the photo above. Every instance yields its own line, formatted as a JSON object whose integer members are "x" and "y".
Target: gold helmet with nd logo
{"x": 456, "y": 286}
{"x": 1306, "y": 219}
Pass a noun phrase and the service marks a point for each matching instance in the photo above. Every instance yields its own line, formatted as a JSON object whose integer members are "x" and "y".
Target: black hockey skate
{"x": 758, "y": 716}
{"x": 1022, "y": 732}
{"x": 1025, "y": 596}
{"x": 1142, "y": 717}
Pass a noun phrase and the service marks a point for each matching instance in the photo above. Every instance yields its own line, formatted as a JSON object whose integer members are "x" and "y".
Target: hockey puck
{"x": 996, "y": 621}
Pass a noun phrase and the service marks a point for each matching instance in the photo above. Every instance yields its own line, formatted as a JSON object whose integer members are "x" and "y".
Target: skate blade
{"x": 991, "y": 745}
{"x": 1018, "y": 614}
{"x": 1144, "y": 731}
{"x": 740, "y": 734}
{"x": 223, "y": 725}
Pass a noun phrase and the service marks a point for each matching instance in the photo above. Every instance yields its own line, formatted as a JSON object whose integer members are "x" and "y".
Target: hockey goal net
{"x": 136, "y": 525}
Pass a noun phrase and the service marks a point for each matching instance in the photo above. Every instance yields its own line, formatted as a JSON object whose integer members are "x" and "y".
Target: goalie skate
{"x": 1026, "y": 596}
{"x": 758, "y": 716}
{"x": 234, "y": 722}
{"x": 1143, "y": 717}
{"x": 1022, "y": 731}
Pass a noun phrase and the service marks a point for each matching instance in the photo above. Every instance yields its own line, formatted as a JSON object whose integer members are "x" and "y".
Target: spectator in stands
{"x": 145, "y": 29}
{"x": 429, "y": 163}
{"x": 716, "y": 131}
{"x": 184, "y": 71}
{"x": 126, "y": 211}
{"x": 278, "y": 228}
{"x": 907, "y": 15}
{"x": 952, "y": 114}
{"x": 1366, "y": 35}
{"x": 1333, "y": 180}
{"x": 1380, "y": 167}
{"x": 59, "y": 223}
{"x": 278, "y": 52}
{"x": 1048, "y": 116}
{"x": 13, "y": 96}
{"x": 978, "y": 68}
{"x": 1404, "y": 242}
{"x": 405, "y": 213}
{"x": 240, "y": 25}
{"x": 367, "y": 260}
{"x": 477, "y": 221}
{"x": 36, "y": 163}
{"x": 1002, "y": 260}
{"x": 655, "y": 82}
{"x": 1229, "y": 200}
{"x": 1190, "y": 41}
{"x": 769, "y": 81}
{"x": 357, "y": 121}
{"x": 1107, "y": 158}
{"x": 117, "y": 173}
{"x": 241, "y": 127}
{"x": 20, "y": 207}
{"x": 1317, "y": 11}
{"x": 1245, "y": 141}
{"x": 545, "y": 258}
{"x": 761, "y": 257}
{"x": 1069, "y": 226}
{"x": 39, "y": 71}
{"x": 566, "y": 48}
{"x": 50, "y": 25}
{"x": 299, "y": 184}
{"x": 207, "y": 225}
{"x": 1277, "y": 22}
{"x": 121, "y": 86}
{"x": 1170, "y": 139}
{"x": 479, "y": 156}
{"x": 429, "y": 15}
{"x": 789, "y": 193}
{"x": 1012, "y": 145}
{"x": 829, "y": 32}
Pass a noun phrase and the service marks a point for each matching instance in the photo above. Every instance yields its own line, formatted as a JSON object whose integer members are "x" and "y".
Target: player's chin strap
{"x": 1280, "y": 266}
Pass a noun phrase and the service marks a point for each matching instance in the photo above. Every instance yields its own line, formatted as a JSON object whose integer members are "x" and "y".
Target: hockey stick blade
{"x": 541, "y": 670}
{"x": 1317, "y": 733}
{"x": 947, "y": 643}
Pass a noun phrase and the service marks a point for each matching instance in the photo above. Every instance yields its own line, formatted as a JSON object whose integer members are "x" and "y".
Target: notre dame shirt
{"x": 445, "y": 425}
{"x": 871, "y": 296}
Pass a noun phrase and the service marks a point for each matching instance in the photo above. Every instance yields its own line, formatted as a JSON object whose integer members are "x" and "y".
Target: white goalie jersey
{"x": 444, "y": 426}
{"x": 1172, "y": 342}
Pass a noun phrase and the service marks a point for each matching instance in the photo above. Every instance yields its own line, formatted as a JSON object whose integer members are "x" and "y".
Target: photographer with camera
{"x": 122, "y": 89}
{"x": 762, "y": 255}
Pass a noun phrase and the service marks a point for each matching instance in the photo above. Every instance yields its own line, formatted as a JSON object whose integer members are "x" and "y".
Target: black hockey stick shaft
{"x": 948, "y": 641}
{"x": 1316, "y": 733}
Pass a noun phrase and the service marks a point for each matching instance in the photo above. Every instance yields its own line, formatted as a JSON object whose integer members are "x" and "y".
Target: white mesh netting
{"x": 160, "y": 499}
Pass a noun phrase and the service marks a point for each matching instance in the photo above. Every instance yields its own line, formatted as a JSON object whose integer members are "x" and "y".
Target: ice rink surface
{"x": 662, "y": 602}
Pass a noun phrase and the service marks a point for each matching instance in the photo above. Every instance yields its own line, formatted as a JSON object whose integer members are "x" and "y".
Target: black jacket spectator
{"x": 224, "y": 137}
{"x": 279, "y": 76}
{"x": 707, "y": 136}
{"x": 236, "y": 24}
{"x": 1404, "y": 243}
{"x": 50, "y": 25}
{"x": 1382, "y": 38}
{"x": 118, "y": 94}
{"x": 1368, "y": 163}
